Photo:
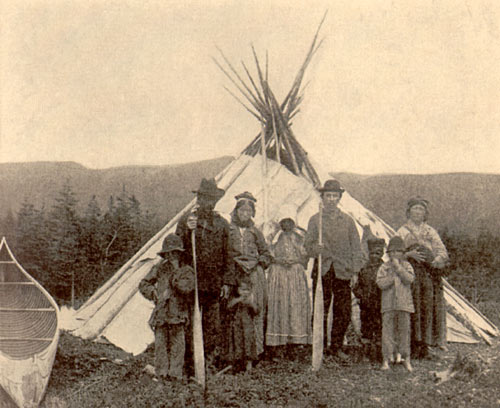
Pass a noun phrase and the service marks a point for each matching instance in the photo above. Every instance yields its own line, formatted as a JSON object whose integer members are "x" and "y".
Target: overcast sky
{"x": 398, "y": 86}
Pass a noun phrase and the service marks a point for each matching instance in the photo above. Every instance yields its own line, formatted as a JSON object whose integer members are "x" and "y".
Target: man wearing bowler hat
{"x": 341, "y": 261}
{"x": 212, "y": 261}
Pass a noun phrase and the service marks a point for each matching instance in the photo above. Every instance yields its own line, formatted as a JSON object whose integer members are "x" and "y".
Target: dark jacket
{"x": 250, "y": 244}
{"x": 168, "y": 288}
{"x": 341, "y": 241}
{"x": 212, "y": 258}
{"x": 366, "y": 289}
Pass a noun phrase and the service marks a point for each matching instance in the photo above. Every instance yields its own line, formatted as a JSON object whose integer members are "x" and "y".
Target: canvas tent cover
{"x": 119, "y": 313}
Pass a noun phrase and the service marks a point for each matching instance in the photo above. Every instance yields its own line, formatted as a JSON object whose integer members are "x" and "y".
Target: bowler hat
{"x": 331, "y": 185}
{"x": 171, "y": 243}
{"x": 209, "y": 188}
{"x": 396, "y": 244}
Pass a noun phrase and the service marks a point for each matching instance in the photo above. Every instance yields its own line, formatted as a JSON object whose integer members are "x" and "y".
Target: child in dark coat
{"x": 168, "y": 286}
{"x": 242, "y": 309}
{"x": 368, "y": 293}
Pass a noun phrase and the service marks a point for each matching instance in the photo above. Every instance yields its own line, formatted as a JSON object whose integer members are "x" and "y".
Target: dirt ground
{"x": 88, "y": 374}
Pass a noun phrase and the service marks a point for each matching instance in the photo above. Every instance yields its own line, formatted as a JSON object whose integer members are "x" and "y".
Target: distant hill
{"x": 461, "y": 202}
{"x": 163, "y": 190}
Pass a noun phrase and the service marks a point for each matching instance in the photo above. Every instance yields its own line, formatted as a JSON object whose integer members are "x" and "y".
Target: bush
{"x": 491, "y": 309}
{"x": 474, "y": 265}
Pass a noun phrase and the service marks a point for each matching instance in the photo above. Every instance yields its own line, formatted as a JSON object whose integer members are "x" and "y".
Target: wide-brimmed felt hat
{"x": 171, "y": 243}
{"x": 209, "y": 188}
{"x": 331, "y": 186}
{"x": 396, "y": 244}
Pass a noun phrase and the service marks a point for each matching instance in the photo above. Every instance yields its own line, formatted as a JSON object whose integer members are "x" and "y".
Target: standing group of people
{"x": 254, "y": 297}
{"x": 402, "y": 305}
{"x": 243, "y": 310}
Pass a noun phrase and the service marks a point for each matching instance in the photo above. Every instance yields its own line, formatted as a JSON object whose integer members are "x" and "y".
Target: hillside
{"x": 461, "y": 202}
{"x": 163, "y": 190}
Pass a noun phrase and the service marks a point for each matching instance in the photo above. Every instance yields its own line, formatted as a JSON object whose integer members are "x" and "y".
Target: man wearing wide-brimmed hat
{"x": 341, "y": 261}
{"x": 212, "y": 260}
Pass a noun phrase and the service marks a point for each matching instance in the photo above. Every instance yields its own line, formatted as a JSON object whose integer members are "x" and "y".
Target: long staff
{"x": 318, "y": 334}
{"x": 264, "y": 172}
{"x": 198, "y": 352}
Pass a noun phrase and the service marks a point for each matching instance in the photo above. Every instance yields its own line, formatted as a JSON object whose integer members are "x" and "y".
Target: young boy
{"x": 368, "y": 293}
{"x": 168, "y": 286}
{"x": 394, "y": 278}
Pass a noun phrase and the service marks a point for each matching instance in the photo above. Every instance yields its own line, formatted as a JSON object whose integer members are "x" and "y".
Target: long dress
{"x": 289, "y": 310}
{"x": 429, "y": 319}
{"x": 250, "y": 254}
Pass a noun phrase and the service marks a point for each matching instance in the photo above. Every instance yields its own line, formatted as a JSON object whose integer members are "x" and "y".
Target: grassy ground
{"x": 88, "y": 374}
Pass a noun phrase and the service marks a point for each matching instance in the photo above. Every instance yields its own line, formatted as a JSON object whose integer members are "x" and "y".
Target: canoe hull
{"x": 26, "y": 380}
{"x": 29, "y": 332}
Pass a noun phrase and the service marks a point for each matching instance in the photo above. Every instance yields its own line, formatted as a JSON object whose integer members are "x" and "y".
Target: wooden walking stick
{"x": 198, "y": 352}
{"x": 318, "y": 333}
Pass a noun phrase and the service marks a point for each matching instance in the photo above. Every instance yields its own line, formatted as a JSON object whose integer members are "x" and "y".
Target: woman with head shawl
{"x": 428, "y": 256}
{"x": 289, "y": 312}
{"x": 248, "y": 249}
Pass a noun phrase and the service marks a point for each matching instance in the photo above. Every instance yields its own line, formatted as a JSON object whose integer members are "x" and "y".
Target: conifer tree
{"x": 91, "y": 246}
{"x": 65, "y": 252}
{"x": 8, "y": 228}
{"x": 32, "y": 242}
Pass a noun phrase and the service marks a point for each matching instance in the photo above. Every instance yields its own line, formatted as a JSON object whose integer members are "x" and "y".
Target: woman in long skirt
{"x": 289, "y": 310}
{"x": 248, "y": 249}
{"x": 428, "y": 256}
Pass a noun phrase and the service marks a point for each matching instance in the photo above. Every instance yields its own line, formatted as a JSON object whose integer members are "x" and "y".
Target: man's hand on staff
{"x": 192, "y": 221}
{"x": 319, "y": 249}
{"x": 224, "y": 292}
{"x": 354, "y": 280}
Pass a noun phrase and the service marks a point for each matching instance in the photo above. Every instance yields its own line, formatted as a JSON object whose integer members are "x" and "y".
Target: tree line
{"x": 70, "y": 252}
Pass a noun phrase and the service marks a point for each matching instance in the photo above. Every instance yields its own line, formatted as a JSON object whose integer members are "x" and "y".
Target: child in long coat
{"x": 168, "y": 286}
{"x": 242, "y": 310}
{"x": 368, "y": 293}
{"x": 394, "y": 278}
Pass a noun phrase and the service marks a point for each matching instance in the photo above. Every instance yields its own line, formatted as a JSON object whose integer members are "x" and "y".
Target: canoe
{"x": 29, "y": 332}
